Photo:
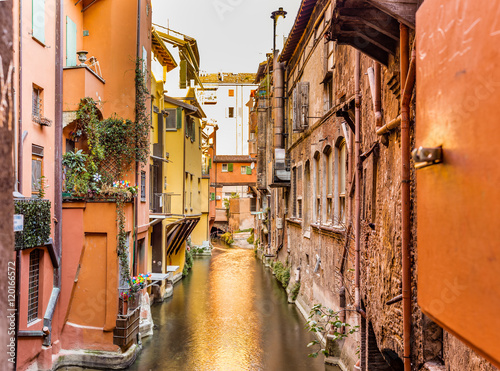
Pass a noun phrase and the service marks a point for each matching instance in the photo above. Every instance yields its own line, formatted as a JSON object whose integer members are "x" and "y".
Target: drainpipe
{"x": 136, "y": 199}
{"x": 358, "y": 170}
{"x": 278, "y": 101}
{"x": 405, "y": 198}
{"x": 378, "y": 93}
{"x": 56, "y": 290}
{"x": 20, "y": 123}
{"x": 19, "y": 179}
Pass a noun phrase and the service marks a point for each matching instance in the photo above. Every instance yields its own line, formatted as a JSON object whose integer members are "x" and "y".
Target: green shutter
{"x": 249, "y": 170}
{"x": 183, "y": 75}
{"x": 38, "y": 20}
{"x": 210, "y": 163}
{"x": 70, "y": 42}
{"x": 212, "y": 196}
{"x": 230, "y": 167}
{"x": 179, "y": 118}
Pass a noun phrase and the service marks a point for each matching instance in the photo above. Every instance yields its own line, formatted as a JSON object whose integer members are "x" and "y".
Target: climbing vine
{"x": 142, "y": 118}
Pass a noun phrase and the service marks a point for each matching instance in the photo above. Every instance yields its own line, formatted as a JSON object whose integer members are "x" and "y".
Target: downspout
{"x": 278, "y": 102}
{"x": 136, "y": 199}
{"x": 357, "y": 190}
{"x": 378, "y": 93}
{"x": 58, "y": 132}
{"x": 405, "y": 199}
{"x": 20, "y": 123}
{"x": 19, "y": 179}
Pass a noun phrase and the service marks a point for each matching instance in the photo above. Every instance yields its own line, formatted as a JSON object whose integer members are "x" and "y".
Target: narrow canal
{"x": 228, "y": 314}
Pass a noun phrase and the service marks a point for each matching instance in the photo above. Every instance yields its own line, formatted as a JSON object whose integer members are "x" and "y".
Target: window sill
{"x": 330, "y": 229}
{"x": 294, "y": 221}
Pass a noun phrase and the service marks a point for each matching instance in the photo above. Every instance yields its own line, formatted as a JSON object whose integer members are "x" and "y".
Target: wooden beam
{"x": 383, "y": 43}
{"x": 403, "y": 10}
{"x": 372, "y": 17}
{"x": 370, "y": 50}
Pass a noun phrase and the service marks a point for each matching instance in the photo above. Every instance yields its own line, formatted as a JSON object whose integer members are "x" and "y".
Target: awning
{"x": 161, "y": 52}
{"x": 178, "y": 233}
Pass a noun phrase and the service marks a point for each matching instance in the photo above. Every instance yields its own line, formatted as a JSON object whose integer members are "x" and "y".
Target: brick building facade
{"x": 352, "y": 245}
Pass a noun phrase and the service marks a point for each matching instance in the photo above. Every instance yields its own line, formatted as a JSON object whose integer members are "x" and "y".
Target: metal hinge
{"x": 424, "y": 157}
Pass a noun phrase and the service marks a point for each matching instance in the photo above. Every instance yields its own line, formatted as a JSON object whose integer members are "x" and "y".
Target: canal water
{"x": 229, "y": 314}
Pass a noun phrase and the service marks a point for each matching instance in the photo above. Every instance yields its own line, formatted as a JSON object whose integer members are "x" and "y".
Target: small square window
{"x": 224, "y": 168}
{"x": 231, "y": 93}
{"x": 230, "y": 112}
{"x": 243, "y": 169}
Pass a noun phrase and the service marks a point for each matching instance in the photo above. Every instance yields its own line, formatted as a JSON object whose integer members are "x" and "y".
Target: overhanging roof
{"x": 372, "y": 26}
{"x": 301, "y": 21}
{"x": 161, "y": 52}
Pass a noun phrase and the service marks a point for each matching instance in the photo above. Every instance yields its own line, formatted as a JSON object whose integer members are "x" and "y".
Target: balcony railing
{"x": 162, "y": 203}
{"x": 37, "y": 223}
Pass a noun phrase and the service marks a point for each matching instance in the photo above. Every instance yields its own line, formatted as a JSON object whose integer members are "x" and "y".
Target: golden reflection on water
{"x": 226, "y": 334}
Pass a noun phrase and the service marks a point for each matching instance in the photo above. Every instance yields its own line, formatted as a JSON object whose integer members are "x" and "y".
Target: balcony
{"x": 221, "y": 215}
{"x": 78, "y": 82}
{"x": 37, "y": 223}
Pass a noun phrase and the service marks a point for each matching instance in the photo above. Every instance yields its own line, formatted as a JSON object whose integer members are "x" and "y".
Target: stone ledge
{"x": 97, "y": 359}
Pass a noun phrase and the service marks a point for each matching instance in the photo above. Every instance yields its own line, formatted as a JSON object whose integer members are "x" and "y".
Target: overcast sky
{"x": 232, "y": 35}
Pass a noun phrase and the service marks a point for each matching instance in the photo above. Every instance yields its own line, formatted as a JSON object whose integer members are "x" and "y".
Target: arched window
{"x": 307, "y": 195}
{"x": 317, "y": 188}
{"x": 340, "y": 194}
{"x": 328, "y": 184}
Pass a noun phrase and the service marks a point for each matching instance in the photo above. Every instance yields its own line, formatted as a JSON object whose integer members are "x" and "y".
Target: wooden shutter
{"x": 249, "y": 170}
{"x": 70, "y": 42}
{"x": 183, "y": 75}
{"x": 179, "y": 118}
{"x": 38, "y": 20}
{"x": 230, "y": 167}
{"x": 295, "y": 122}
{"x": 304, "y": 104}
{"x": 212, "y": 196}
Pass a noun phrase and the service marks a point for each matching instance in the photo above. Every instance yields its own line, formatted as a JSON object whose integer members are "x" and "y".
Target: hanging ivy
{"x": 37, "y": 223}
{"x": 142, "y": 118}
{"x": 122, "y": 249}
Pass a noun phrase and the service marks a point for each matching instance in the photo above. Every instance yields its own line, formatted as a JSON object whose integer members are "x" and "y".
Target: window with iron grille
{"x": 37, "y": 108}
{"x": 143, "y": 186}
{"x": 34, "y": 279}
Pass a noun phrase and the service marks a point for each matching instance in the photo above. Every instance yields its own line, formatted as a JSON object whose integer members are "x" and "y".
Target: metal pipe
{"x": 20, "y": 126}
{"x": 389, "y": 126}
{"x": 378, "y": 94}
{"x": 357, "y": 153}
{"x": 58, "y": 133}
{"x": 395, "y": 300}
{"x": 405, "y": 200}
{"x": 278, "y": 101}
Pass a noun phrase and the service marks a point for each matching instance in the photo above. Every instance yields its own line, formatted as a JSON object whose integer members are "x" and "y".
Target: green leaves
{"x": 323, "y": 320}
{"x": 37, "y": 223}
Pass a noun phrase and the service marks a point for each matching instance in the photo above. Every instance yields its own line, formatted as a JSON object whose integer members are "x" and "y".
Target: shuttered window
{"x": 230, "y": 167}
{"x": 70, "y": 42}
{"x": 301, "y": 106}
{"x": 38, "y": 20}
{"x": 179, "y": 118}
{"x": 249, "y": 170}
{"x": 170, "y": 119}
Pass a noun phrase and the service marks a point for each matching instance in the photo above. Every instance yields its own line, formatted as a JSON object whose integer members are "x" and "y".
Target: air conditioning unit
{"x": 281, "y": 167}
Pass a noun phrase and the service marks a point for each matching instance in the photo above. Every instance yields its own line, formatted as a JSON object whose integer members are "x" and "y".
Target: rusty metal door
{"x": 458, "y": 200}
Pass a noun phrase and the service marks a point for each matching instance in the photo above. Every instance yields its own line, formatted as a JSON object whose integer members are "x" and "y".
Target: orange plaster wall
{"x": 93, "y": 307}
